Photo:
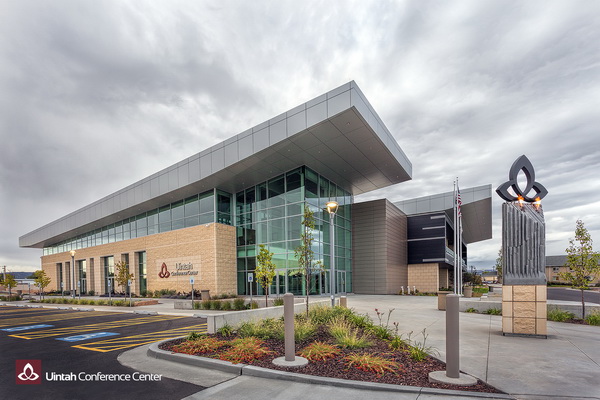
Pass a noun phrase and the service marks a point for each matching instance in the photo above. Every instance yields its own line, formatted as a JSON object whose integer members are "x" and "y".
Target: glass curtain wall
{"x": 203, "y": 208}
{"x": 271, "y": 212}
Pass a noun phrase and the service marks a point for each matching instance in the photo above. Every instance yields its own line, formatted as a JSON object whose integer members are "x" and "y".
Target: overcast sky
{"x": 95, "y": 95}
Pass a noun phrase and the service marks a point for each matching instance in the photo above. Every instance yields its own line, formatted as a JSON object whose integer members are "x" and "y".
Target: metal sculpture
{"x": 522, "y": 163}
{"x": 523, "y": 228}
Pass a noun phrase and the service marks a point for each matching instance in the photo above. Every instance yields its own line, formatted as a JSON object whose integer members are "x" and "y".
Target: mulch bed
{"x": 415, "y": 372}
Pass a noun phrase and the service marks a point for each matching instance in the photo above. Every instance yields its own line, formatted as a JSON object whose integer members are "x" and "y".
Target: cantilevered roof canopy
{"x": 337, "y": 134}
{"x": 476, "y": 210}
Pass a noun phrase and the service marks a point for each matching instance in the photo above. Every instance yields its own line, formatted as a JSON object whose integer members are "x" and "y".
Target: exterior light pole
{"x": 73, "y": 269}
{"x": 332, "y": 208}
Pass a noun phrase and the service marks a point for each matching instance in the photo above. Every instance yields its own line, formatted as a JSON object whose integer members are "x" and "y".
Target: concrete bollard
{"x": 290, "y": 359}
{"x": 452, "y": 336}
{"x": 343, "y": 302}
{"x": 414, "y": 289}
{"x": 402, "y": 290}
{"x": 288, "y": 318}
{"x": 407, "y": 289}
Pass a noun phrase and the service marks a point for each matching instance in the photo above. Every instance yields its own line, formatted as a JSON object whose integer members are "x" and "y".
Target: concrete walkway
{"x": 564, "y": 366}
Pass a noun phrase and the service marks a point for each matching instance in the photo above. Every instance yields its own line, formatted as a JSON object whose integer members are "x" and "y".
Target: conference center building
{"x": 203, "y": 218}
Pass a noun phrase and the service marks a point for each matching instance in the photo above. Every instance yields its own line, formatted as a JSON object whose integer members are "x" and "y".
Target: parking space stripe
{"x": 49, "y": 318}
{"x": 70, "y": 330}
{"x": 22, "y": 310}
{"x": 105, "y": 346}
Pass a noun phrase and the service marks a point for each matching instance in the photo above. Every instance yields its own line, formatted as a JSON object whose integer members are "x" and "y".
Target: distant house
{"x": 555, "y": 265}
{"x": 489, "y": 276}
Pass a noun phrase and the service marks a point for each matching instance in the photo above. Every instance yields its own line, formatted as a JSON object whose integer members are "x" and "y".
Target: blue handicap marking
{"x": 86, "y": 336}
{"x": 26, "y": 328}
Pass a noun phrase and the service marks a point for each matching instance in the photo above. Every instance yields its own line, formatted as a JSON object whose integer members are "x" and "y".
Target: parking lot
{"x": 78, "y": 352}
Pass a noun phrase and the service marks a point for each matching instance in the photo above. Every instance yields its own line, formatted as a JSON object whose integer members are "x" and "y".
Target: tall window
{"x": 109, "y": 273}
{"x": 59, "y": 277}
{"x": 82, "y": 264}
{"x": 141, "y": 258}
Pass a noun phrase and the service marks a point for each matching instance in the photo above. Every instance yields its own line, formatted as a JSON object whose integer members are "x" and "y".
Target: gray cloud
{"x": 98, "y": 95}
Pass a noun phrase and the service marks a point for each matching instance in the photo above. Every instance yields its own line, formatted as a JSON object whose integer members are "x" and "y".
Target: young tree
{"x": 10, "y": 283}
{"x": 265, "y": 270}
{"x": 41, "y": 280}
{"x": 582, "y": 261}
{"x": 304, "y": 252}
{"x": 122, "y": 275}
{"x": 498, "y": 265}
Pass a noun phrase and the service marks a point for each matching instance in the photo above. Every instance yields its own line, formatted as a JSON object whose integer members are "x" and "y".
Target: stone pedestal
{"x": 524, "y": 310}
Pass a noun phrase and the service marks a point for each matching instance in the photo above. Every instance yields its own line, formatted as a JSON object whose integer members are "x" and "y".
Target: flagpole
{"x": 459, "y": 224}
{"x": 455, "y": 237}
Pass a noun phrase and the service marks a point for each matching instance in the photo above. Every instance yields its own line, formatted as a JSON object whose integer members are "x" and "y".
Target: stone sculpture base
{"x": 524, "y": 310}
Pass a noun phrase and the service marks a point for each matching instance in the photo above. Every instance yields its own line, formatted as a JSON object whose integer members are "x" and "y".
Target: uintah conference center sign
{"x": 181, "y": 269}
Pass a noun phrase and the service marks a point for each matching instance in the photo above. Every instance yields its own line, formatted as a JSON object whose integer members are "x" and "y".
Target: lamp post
{"x": 73, "y": 269}
{"x": 332, "y": 208}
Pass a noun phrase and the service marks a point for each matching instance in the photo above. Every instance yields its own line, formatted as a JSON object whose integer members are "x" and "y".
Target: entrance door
{"x": 278, "y": 286}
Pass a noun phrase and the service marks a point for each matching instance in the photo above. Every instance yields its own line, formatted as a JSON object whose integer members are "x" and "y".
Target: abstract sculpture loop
{"x": 522, "y": 163}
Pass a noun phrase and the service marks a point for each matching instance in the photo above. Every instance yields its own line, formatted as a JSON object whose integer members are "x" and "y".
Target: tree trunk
{"x": 582, "y": 305}
{"x": 266, "y": 295}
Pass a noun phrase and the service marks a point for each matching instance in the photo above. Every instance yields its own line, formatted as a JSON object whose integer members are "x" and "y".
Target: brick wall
{"x": 209, "y": 248}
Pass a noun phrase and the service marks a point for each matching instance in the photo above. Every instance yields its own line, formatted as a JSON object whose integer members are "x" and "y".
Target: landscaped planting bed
{"x": 338, "y": 343}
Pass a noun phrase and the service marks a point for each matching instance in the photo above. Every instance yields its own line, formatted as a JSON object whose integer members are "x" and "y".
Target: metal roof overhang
{"x": 476, "y": 210}
{"x": 338, "y": 134}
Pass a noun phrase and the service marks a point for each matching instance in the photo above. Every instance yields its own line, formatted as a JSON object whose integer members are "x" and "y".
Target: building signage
{"x": 181, "y": 269}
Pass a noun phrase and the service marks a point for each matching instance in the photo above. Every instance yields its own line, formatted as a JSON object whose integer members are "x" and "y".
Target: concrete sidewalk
{"x": 564, "y": 366}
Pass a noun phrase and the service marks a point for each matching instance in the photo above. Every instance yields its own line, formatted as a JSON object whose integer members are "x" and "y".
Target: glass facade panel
{"x": 278, "y": 224}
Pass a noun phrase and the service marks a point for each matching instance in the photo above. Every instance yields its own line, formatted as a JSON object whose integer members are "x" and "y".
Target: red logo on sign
{"x": 164, "y": 273}
{"x": 28, "y": 372}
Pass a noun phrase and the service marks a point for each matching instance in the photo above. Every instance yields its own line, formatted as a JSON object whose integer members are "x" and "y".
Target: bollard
{"x": 414, "y": 289}
{"x": 288, "y": 318}
{"x": 343, "y": 301}
{"x": 407, "y": 289}
{"x": 452, "y": 337}
{"x": 402, "y": 288}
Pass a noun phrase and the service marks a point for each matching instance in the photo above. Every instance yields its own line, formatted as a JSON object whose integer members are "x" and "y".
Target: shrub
{"x": 239, "y": 304}
{"x": 381, "y": 332}
{"x": 193, "y": 335}
{"x": 324, "y": 314}
{"x": 593, "y": 318}
{"x": 419, "y": 350}
{"x": 226, "y": 305}
{"x": 253, "y": 305}
{"x": 200, "y": 345}
{"x": 91, "y": 292}
{"x": 206, "y": 304}
{"x": 245, "y": 350}
{"x": 319, "y": 351}
{"x": 215, "y": 304}
{"x": 471, "y": 310}
{"x": 303, "y": 330}
{"x": 558, "y": 315}
{"x": 264, "y": 329}
{"x": 278, "y": 302}
{"x": 226, "y": 330}
{"x": 370, "y": 363}
{"x": 397, "y": 343}
{"x": 360, "y": 321}
{"x": 493, "y": 311}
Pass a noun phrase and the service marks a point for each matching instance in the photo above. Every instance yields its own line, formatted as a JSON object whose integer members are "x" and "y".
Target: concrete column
{"x": 452, "y": 337}
{"x": 288, "y": 318}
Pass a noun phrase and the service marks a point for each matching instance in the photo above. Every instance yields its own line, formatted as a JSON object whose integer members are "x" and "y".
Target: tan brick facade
{"x": 524, "y": 309}
{"x": 208, "y": 249}
{"x": 425, "y": 277}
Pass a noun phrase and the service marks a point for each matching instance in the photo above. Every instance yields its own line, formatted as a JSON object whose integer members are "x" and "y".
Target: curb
{"x": 249, "y": 370}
